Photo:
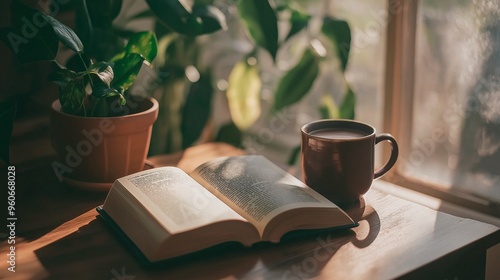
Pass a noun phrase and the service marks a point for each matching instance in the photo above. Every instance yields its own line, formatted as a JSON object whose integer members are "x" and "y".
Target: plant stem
{"x": 94, "y": 106}
{"x": 91, "y": 85}
{"x": 57, "y": 64}
{"x": 82, "y": 105}
{"x": 88, "y": 22}
{"x": 86, "y": 69}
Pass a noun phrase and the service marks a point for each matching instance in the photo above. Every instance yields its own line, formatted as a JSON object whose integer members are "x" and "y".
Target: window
{"x": 443, "y": 99}
{"x": 426, "y": 71}
{"x": 365, "y": 74}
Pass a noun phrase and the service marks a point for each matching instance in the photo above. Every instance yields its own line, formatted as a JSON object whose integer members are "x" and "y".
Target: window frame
{"x": 398, "y": 105}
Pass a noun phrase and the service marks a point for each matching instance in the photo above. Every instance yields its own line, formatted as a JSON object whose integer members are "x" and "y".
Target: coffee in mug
{"x": 337, "y": 133}
{"x": 338, "y": 157}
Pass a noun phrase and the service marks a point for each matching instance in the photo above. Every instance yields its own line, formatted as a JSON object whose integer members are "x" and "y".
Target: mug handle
{"x": 394, "y": 153}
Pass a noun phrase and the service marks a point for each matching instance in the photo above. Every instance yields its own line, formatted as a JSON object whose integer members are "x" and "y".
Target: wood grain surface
{"x": 60, "y": 236}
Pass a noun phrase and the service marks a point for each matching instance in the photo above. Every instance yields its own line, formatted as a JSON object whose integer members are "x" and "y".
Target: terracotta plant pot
{"x": 93, "y": 152}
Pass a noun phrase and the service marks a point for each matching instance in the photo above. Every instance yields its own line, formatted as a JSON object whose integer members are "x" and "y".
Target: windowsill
{"x": 433, "y": 202}
{"x": 493, "y": 254}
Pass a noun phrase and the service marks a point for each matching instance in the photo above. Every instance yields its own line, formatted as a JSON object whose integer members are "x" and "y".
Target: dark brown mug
{"x": 338, "y": 157}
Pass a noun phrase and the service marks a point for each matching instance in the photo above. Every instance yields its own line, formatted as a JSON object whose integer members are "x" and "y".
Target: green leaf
{"x": 165, "y": 42}
{"x": 328, "y": 108}
{"x": 126, "y": 70}
{"x": 196, "y": 109}
{"x": 298, "y": 20}
{"x": 103, "y": 103}
{"x": 181, "y": 18}
{"x": 260, "y": 20}
{"x": 143, "y": 43}
{"x": 100, "y": 91}
{"x": 298, "y": 81}
{"x": 72, "y": 97}
{"x": 72, "y": 89}
{"x": 103, "y": 71}
{"x": 99, "y": 107}
{"x": 172, "y": 13}
{"x": 93, "y": 20}
{"x": 211, "y": 17}
{"x": 243, "y": 94}
{"x": 339, "y": 33}
{"x": 65, "y": 34}
{"x": 28, "y": 41}
{"x": 229, "y": 133}
{"x": 347, "y": 108}
{"x": 62, "y": 76}
{"x": 103, "y": 12}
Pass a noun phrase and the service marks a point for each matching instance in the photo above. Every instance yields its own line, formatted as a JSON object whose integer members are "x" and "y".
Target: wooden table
{"x": 60, "y": 236}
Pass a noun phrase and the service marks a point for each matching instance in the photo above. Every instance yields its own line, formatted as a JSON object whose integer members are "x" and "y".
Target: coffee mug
{"x": 338, "y": 157}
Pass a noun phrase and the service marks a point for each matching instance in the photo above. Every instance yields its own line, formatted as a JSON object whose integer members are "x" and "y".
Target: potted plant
{"x": 99, "y": 131}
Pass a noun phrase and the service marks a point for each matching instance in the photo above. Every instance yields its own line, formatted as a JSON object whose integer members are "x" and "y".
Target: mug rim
{"x": 305, "y": 126}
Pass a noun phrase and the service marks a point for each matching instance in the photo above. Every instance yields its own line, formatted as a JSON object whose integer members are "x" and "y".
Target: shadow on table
{"x": 97, "y": 251}
{"x": 43, "y": 203}
{"x": 309, "y": 253}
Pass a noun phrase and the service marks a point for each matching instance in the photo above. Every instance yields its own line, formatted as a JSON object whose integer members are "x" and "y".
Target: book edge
{"x": 146, "y": 262}
{"x": 122, "y": 236}
{"x": 143, "y": 260}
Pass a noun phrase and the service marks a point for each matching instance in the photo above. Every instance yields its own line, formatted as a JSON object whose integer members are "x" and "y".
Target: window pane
{"x": 366, "y": 69}
{"x": 456, "y": 113}
{"x": 365, "y": 75}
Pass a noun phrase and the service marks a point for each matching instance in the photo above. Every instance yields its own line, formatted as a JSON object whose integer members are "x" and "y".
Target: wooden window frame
{"x": 398, "y": 104}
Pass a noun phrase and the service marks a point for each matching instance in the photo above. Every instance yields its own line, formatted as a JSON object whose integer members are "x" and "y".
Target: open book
{"x": 247, "y": 199}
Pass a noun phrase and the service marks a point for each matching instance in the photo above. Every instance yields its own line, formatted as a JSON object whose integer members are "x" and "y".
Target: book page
{"x": 256, "y": 188}
{"x": 178, "y": 201}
